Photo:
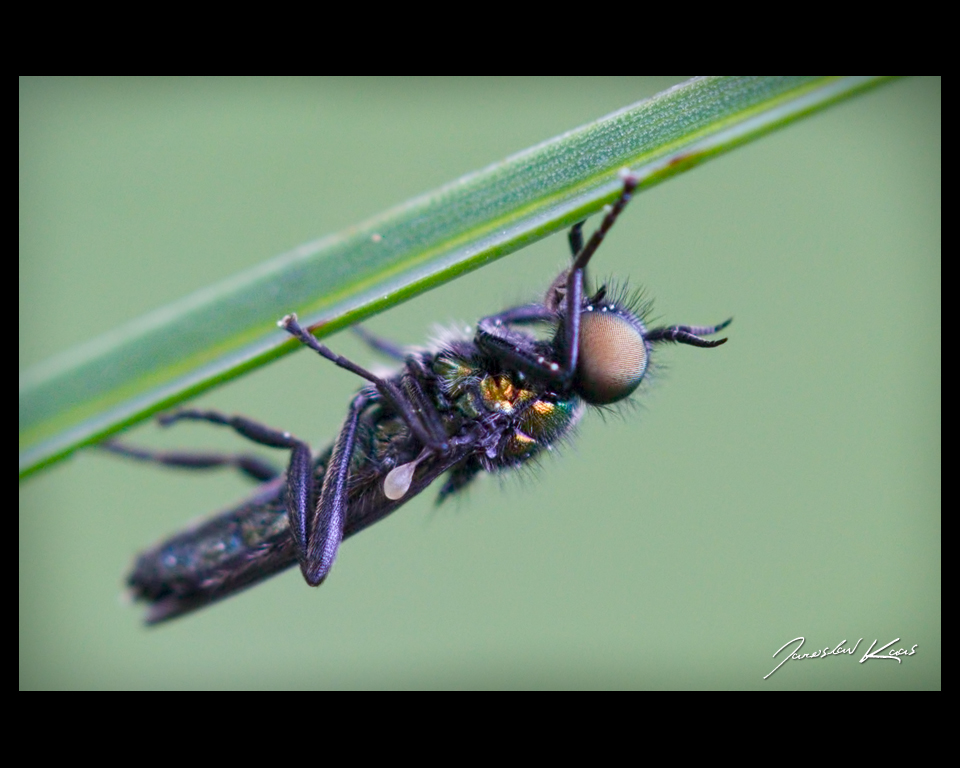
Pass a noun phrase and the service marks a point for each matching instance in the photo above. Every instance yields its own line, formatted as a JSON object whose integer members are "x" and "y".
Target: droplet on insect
{"x": 397, "y": 482}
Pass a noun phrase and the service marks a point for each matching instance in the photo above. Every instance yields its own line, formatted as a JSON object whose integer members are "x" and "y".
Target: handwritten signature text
{"x": 840, "y": 650}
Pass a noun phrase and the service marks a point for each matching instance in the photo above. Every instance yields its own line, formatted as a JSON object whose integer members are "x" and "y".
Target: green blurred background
{"x": 786, "y": 484}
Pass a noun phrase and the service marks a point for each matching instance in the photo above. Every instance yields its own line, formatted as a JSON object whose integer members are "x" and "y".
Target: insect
{"x": 486, "y": 404}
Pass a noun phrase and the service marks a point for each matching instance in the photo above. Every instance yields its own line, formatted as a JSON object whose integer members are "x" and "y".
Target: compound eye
{"x": 612, "y": 357}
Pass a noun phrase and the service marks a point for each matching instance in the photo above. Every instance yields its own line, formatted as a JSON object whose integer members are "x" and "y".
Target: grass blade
{"x": 221, "y": 332}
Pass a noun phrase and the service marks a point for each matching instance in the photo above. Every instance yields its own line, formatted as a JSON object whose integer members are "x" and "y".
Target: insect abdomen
{"x": 217, "y": 558}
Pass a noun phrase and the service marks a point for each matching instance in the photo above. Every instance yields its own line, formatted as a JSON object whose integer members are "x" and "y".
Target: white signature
{"x": 839, "y": 650}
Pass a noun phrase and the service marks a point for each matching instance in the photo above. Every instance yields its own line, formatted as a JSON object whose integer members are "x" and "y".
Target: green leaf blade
{"x": 228, "y": 329}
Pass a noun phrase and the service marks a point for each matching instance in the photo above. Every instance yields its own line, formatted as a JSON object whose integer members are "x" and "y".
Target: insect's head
{"x": 603, "y": 341}
{"x": 601, "y": 346}
{"x": 612, "y": 350}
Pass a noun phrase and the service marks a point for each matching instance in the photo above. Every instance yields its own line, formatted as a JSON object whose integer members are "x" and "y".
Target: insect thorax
{"x": 523, "y": 417}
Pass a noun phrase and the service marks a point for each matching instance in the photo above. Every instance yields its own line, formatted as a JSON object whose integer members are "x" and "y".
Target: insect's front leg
{"x": 327, "y": 522}
{"x": 689, "y": 334}
{"x": 496, "y": 339}
{"x": 299, "y": 470}
{"x": 565, "y": 296}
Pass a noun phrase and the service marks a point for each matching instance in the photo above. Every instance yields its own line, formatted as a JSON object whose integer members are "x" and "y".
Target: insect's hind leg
{"x": 380, "y": 345}
{"x": 299, "y": 470}
{"x": 326, "y": 526}
{"x": 251, "y": 466}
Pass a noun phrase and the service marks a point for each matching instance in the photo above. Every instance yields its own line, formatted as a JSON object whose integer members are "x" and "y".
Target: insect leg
{"x": 382, "y": 346}
{"x": 575, "y": 279}
{"x": 251, "y": 466}
{"x": 458, "y": 479}
{"x": 299, "y": 470}
{"x": 415, "y": 385}
{"x": 688, "y": 334}
{"x": 567, "y": 293}
{"x": 576, "y": 238}
{"x": 391, "y": 395}
{"x": 326, "y": 525}
{"x": 494, "y": 337}
{"x": 522, "y": 315}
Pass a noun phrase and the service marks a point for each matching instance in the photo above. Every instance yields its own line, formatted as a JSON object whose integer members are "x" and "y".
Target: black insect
{"x": 472, "y": 405}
